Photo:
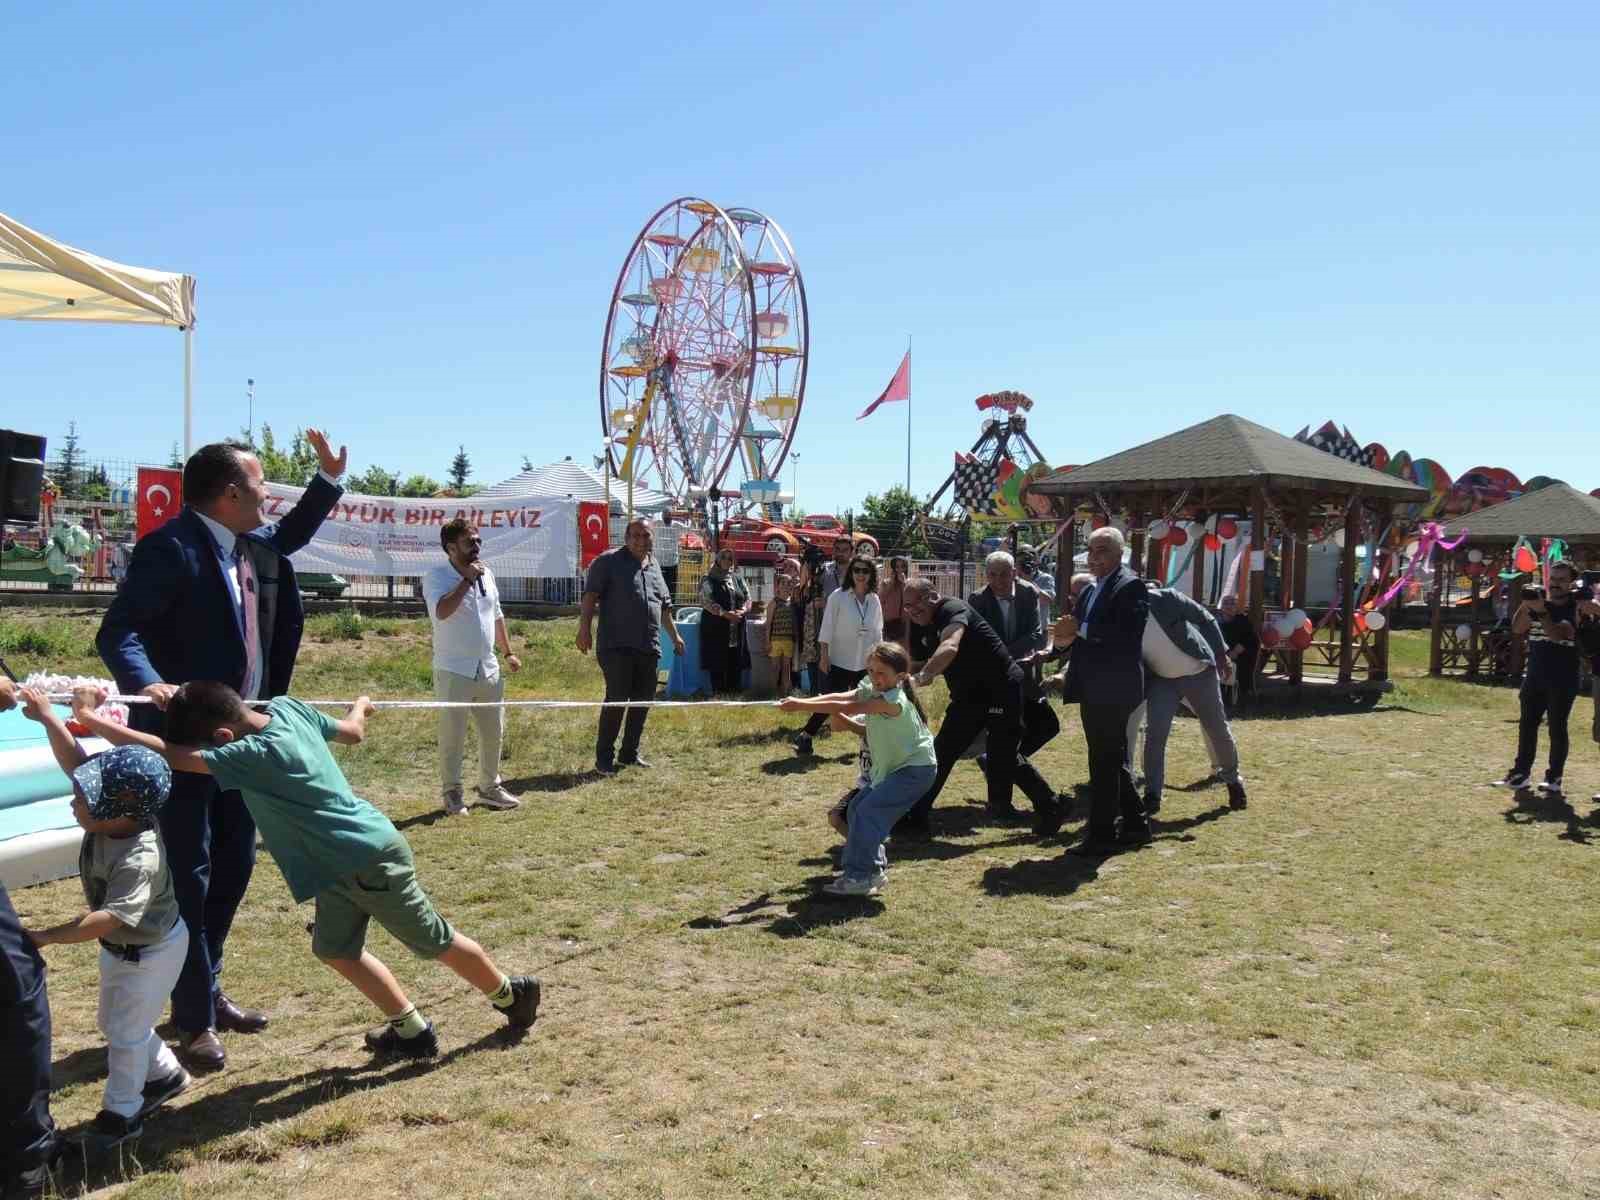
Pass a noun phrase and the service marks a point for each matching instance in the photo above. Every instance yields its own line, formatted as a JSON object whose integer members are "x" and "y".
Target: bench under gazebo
{"x": 1229, "y": 468}
{"x": 1556, "y": 511}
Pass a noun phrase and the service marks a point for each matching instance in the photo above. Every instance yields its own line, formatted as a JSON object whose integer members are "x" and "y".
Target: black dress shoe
{"x": 1098, "y": 846}
{"x": 1006, "y": 816}
{"x": 233, "y": 1019}
{"x": 1047, "y": 818}
{"x": 605, "y": 768}
{"x": 1134, "y": 835}
{"x": 203, "y": 1051}
{"x": 635, "y": 760}
{"x": 1236, "y": 797}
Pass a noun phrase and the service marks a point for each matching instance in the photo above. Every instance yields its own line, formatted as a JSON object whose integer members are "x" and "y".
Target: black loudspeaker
{"x": 21, "y": 476}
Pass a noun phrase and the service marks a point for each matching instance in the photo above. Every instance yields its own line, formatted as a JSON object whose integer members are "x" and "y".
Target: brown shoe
{"x": 233, "y": 1019}
{"x": 202, "y": 1051}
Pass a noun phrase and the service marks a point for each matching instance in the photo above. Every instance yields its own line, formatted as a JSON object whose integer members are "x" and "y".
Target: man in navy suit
{"x": 1105, "y": 677}
{"x": 212, "y": 595}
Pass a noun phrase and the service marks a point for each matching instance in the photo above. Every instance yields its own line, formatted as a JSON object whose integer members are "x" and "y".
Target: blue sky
{"x": 406, "y": 220}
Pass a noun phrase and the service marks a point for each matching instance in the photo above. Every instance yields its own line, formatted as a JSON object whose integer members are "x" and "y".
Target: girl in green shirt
{"x": 884, "y": 710}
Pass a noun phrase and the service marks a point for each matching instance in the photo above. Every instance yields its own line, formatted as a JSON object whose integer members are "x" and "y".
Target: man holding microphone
{"x": 468, "y": 627}
{"x": 1550, "y": 682}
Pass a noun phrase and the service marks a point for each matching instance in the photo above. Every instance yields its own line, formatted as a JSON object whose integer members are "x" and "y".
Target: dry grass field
{"x": 1380, "y": 980}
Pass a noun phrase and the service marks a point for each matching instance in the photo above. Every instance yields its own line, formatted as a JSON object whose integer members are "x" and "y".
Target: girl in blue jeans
{"x": 883, "y": 709}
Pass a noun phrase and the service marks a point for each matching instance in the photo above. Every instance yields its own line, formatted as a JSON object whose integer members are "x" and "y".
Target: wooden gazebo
{"x": 1231, "y": 467}
{"x": 1556, "y": 511}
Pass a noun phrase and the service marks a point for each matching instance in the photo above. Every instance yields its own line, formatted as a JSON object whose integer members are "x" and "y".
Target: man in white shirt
{"x": 468, "y": 626}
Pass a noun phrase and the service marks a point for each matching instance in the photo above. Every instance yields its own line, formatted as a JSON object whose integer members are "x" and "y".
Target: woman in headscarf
{"x": 724, "y": 604}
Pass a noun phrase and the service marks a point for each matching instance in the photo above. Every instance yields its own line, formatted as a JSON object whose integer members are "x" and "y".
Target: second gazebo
{"x": 1231, "y": 467}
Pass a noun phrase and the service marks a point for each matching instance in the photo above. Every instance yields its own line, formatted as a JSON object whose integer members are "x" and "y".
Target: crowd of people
{"x": 207, "y": 625}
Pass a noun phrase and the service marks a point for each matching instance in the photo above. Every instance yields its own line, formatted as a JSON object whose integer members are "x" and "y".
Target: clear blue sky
{"x": 406, "y": 220}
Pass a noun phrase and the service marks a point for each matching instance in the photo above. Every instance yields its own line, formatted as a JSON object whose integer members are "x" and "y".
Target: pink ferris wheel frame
{"x": 697, "y": 273}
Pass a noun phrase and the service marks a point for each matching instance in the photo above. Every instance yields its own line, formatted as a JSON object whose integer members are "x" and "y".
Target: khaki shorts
{"x": 386, "y": 891}
{"x": 781, "y": 648}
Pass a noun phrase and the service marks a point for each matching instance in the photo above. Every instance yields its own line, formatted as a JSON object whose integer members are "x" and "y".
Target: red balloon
{"x": 1100, "y": 521}
{"x": 1270, "y": 636}
{"x": 1213, "y": 542}
{"x": 1301, "y": 638}
{"x": 1308, "y": 626}
{"x": 1177, "y": 536}
{"x": 1227, "y": 528}
{"x": 1361, "y": 622}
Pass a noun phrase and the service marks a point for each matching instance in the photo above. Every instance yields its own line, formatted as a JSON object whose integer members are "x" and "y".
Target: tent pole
{"x": 188, "y": 390}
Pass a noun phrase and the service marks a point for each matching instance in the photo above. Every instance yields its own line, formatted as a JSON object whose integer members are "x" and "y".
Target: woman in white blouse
{"x": 852, "y": 624}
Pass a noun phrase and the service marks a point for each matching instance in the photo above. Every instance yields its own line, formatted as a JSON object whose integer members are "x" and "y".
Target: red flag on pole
{"x": 160, "y": 497}
{"x": 594, "y": 532}
{"x": 899, "y": 387}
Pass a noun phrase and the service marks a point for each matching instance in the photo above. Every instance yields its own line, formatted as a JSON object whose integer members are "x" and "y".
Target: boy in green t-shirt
{"x": 331, "y": 845}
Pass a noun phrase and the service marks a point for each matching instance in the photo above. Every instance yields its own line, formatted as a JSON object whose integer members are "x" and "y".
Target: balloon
{"x": 1177, "y": 536}
{"x": 1360, "y": 622}
{"x": 1301, "y": 639}
{"x": 1463, "y": 632}
{"x": 1270, "y": 636}
{"x": 1213, "y": 542}
{"x": 1474, "y": 556}
{"x": 1296, "y": 617}
{"x": 1411, "y": 548}
{"x": 1376, "y": 621}
{"x": 1100, "y": 521}
{"x": 1308, "y": 626}
{"x": 1159, "y": 530}
{"x": 1338, "y": 538}
{"x": 1526, "y": 561}
{"x": 1227, "y": 528}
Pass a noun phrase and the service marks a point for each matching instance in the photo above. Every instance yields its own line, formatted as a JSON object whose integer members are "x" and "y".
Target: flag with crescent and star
{"x": 593, "y": 532}
{"x": 160, "y": 497}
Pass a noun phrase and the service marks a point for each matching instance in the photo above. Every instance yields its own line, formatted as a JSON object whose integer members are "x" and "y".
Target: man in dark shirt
{"x": 1244, "y": 645}
{"x": 626, "y": 588}
{"x": 1550, "y": 682}
{"x": 949, "y": 639}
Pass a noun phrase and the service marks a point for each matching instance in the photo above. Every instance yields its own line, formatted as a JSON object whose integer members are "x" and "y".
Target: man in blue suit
{"x": 212, "y": 595}
{"x": 1105, "y": 678}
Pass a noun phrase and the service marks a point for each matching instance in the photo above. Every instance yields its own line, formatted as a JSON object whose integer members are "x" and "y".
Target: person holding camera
{"x": 1550, "y": 682}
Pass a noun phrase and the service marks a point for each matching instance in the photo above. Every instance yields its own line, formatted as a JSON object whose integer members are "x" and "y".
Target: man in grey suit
{"x": 1019, "y": 613}
{"x": 1183, "y": 651}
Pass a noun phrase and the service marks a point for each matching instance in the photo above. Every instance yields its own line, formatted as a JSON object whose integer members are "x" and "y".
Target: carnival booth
{"x": 1228, "y": 479}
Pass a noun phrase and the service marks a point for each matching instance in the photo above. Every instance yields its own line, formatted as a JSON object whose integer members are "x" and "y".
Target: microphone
{"x": 482, "y": 591}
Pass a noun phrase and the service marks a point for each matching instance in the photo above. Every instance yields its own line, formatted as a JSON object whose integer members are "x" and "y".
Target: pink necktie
{"x": 247, "y": 597}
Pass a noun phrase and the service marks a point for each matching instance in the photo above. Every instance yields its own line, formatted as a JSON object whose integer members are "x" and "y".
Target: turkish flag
{"x": 594, "y": 531}
{"x": 160, "y": 497}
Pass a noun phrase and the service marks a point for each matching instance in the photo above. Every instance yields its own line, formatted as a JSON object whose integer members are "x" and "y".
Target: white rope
{"x": 66, "y": 698}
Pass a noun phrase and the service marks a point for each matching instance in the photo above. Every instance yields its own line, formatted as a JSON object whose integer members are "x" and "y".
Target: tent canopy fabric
{"x": 1225, "y": 451}
{"x": 1557, "y": 511}
{"x": 567, "y": 478}
{"x": 45, "y": 280}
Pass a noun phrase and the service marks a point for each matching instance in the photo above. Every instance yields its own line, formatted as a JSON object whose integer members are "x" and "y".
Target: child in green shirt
{"x": 331, "y": 845}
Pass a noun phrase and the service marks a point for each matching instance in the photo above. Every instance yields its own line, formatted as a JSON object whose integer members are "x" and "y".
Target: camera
{"x": 1532, "y": 592}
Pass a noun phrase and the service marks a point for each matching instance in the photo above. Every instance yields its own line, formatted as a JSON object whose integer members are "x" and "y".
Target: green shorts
{"x": 386, "y": 890}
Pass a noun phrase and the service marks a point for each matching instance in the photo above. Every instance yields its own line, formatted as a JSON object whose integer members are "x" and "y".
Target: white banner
{"x": 523, "y": 536}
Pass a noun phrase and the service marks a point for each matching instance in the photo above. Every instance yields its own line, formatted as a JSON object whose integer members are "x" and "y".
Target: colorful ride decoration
{"x": 991, "y": 481}
{"x": 56, "y": 563}
{"x": 706, "y": 348}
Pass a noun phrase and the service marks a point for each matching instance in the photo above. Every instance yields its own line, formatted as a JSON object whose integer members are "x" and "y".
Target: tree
{"x": 68, "y": 470}
{"x": 294, "y": 467}
{"x": 893, "y": 518}
{"x": 460, "y": 468}
{"x": 96, "y": 484}
{"x": 375, "y": 481}
{"x": 175, "y": 459}
{"x": 420, "y": 486}
{"x": 527, "y": 463}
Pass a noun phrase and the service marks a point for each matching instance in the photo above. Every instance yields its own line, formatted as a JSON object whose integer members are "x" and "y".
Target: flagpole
{"x": 908, "y": 416}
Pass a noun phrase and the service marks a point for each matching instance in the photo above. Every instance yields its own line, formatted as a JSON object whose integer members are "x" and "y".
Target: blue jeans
{"x": 874, "y": 812}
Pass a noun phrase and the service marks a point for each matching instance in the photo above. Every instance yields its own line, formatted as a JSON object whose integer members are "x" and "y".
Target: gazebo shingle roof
{"x": 1226, "y": 451}
{"x": 1557, "y": 511}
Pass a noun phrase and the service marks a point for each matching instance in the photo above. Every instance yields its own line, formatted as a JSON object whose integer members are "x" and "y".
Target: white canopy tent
{"x": 45, "y": 280}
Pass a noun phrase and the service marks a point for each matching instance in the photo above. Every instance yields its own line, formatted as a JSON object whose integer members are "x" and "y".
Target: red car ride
{"x": 758, "y": 541}
{"x": 822, "y": 530}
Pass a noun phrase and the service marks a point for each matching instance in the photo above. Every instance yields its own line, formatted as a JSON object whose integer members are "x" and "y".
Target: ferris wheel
{"x": 704, "y": 360}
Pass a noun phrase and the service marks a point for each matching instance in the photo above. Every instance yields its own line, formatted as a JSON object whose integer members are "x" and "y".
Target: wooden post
{"x": 1064, "y": 551}
{"x": 1302, "y": 535}
{"x": 1347, "y": 598}
{"x": 1380, "y": 671}
{"x": 1436, "y": 633}
{"x": 1258, "y": 546}
{"x": 1474, "y": 646}
{"x": 1197, "y": 589}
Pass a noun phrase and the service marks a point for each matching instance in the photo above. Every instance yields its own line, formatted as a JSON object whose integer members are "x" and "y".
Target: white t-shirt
{"x": 1163, "y": 657}
{"x": 463, "y": 643}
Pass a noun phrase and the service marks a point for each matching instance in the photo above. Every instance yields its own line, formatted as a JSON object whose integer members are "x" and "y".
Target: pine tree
{"x": 460, "y": 468}
{"x": 175, "y": 459}
{"x": 68, "y": 470}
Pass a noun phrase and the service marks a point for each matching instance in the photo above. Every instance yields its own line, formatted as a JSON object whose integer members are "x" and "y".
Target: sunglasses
{"x": 860, "y": 571}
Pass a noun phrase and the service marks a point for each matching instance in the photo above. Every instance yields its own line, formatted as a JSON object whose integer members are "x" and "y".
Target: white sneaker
{"x": 454, "y": 805}
{"x": 1515, "y": 780}
{"x": 1551, "y": 789}
{"x": 498, "y": 797}
{"x": 849, "y": 885}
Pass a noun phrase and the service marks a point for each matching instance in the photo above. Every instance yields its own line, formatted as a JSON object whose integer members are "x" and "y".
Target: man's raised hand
{"x": 325, "y": 457}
